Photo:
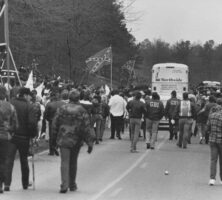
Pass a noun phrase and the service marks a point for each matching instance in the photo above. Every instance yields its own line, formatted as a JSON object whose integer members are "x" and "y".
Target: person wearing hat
{"x": 8, "y": 125}
{"x": 70, "y": 128}
{"x": 20, "y": 141}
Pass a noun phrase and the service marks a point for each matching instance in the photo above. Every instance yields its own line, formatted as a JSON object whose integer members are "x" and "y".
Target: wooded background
{"x": 204, "y": 60}
{"x": 62, "y": 34}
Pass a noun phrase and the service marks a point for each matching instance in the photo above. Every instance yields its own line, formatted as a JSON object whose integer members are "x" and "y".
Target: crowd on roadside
{"x": 73, "y": 115}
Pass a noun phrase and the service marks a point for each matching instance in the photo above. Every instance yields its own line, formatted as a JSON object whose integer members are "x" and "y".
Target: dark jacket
{"x": 37, "y": 110}
{"x": 136, "y": 109}
{"x": 171, "y": 107}
{"x": 154, "y": 110}
{"x": 26, "y": 118}
{"x": 105, "y": 110}
{"x": 96, "y": 111}
{"x": 8, "y": 119}
{"x": 201, "y": 118}
{"x": 207, "y": 109}
{"x": 51, "y": 108}
{"x": 87, "y": 105}
{"x": 71, "y": 126}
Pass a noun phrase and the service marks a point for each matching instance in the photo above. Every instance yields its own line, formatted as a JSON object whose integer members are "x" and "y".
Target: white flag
{"x": 39, "y": 89}
{"x": 107, "y": 89}
{"x": 30, "y": 82}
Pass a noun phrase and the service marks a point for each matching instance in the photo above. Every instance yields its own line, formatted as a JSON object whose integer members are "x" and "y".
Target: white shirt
{"x": 85, "y": 102}
{"x": 117, "y": 105}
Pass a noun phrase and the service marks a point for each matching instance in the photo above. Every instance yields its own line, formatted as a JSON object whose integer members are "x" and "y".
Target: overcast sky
{"x": 173, "y": 20}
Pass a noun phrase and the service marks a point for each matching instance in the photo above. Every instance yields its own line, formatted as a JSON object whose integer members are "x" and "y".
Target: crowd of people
{"x": 71, "y": 116}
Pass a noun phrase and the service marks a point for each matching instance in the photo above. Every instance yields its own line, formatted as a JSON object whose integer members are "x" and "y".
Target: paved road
{"x": 111, "y": 172}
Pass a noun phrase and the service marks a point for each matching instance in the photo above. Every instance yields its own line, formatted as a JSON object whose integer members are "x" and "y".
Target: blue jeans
{"x": 135, "y": 125}
{"x": 215, "y": 153}
{"x": 152, "y": 130}
{"x": 184, "y": 131}
{"x": 201, "y": 128}
{"x": 69, "y": 157}
{"x": 97, "y": 128}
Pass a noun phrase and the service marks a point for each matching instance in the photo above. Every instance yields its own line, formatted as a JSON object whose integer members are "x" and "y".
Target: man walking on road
{"x": 50, "y": 111}
{"x": 136, "y": 109}
{"x": 8, "y": 125}
{"x": 169, "y": 110}
{"x": 155, "y": 111}
{"x": 26, "y": 130}
{"x": 70, "y": 127}
{"x": 117, "y": 110}
{"x": 214, "y": 126}
{"x": 185, "y": 111}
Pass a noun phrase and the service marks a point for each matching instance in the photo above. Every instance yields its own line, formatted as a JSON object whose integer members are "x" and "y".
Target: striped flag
{"x": 129, "y": 66}
{"x": 97, "y": 61}
{"x": 2, "y": 28}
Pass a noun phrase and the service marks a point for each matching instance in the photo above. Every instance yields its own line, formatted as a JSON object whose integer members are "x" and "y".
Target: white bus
{"x": 167, "y": 77}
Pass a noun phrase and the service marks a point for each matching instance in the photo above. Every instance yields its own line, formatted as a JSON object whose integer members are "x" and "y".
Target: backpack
{"x": 185, "y": 109}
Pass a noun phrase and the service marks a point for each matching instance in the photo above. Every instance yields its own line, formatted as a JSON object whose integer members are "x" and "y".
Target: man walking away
{"x": 169, "y": 110}
{"x": 105, "y": 114}
{"x": 214, "y": 126}
{"x": 26, "y": 130}
{"x": 186, "y": 112}
{"x": 70, "y": 127}
{"x": 154, "y": 113}
{"x": 117, "y": 110}
{"x": 206, "y": 111}
{"x": 8, "y": 125}
{"x": 50, "y": 111}
{"x": 136, "y": 110}
{"x": 97, "y": 116}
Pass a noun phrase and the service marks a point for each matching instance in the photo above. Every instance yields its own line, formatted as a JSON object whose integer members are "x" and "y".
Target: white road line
{"x": 138, "y": 161}
{"x": 116, "y": 192}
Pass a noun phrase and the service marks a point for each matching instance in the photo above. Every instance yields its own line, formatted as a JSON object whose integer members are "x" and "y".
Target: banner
{"x": 2, "y": 27}
{"x": 129, "y": 66}
{"x": 97, "y": 61}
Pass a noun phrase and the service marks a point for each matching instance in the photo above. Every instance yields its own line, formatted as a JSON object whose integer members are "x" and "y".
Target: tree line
{"x": 62, "y": 34}
{"x": 204, "y": 60}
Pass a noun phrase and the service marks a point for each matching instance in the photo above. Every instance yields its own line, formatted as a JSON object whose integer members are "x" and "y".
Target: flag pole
{"x": 7, "y": 39}
{"x": 3, "y": 9}
{"x": 111, "y": 67}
